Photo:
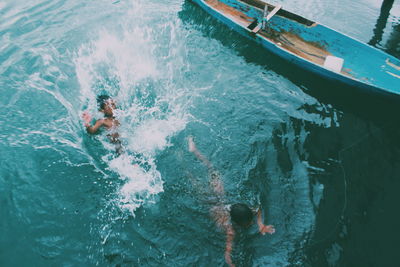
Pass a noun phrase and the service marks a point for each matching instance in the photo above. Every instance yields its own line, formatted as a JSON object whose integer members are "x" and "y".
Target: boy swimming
{"x": 228, "y": 217}
{"x": 109, "y": 122}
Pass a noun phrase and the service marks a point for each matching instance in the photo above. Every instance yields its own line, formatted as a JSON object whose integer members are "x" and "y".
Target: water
{"x": 322, "y": 166}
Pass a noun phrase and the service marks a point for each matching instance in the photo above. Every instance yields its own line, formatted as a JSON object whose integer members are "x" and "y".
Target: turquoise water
{"x": 323, "y": 170}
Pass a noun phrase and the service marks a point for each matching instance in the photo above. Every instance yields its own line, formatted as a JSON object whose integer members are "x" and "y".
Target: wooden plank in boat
{"x": 231, "y": 12}
{"x": 312, "y": 51}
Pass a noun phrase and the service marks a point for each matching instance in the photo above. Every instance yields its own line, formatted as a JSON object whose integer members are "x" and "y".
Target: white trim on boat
{"x": 266, "y": 17}
{"x": 273, "y": 12}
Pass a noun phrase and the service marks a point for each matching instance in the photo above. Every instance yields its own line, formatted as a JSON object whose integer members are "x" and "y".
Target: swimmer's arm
{"x": 261, "y": 226}
{"x": 93, "y": 129}
{"x": 196, "y": 152}
{"x": 215, "y": 180}
{"x": 230, "y": 234}
{"x": 87, "y": 118}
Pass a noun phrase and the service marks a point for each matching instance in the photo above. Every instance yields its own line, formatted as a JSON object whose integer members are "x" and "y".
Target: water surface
{"x": 321, "y": 160}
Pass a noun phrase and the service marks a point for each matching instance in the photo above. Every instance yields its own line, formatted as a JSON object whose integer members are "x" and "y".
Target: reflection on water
{"x": 381, "y": 22}
{"x": 391, "y": 45}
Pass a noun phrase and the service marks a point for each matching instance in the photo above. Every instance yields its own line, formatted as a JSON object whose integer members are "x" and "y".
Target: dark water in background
{"x": 321, "y": 159}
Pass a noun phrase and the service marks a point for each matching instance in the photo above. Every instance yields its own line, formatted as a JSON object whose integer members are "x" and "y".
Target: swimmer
{"x": 107, "y": 107}
{"x": 229, "y": 217}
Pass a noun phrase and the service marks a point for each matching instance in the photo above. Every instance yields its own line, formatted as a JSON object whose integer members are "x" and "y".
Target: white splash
{"x": 152, "y": 135}
{"x": 141, "y": 185}
{"x": 125, "y": 65}
{"x": 126, "y": 59}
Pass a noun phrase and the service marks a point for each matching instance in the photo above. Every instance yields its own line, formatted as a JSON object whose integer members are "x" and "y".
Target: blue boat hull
{"x": 367, "y": 68}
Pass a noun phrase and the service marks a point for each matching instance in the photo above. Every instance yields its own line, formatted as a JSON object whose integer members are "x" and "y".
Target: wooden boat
{"x": 309, "y": 45}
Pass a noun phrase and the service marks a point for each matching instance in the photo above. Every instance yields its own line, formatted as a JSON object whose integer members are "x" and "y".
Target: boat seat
{"x": 253, "y": 25}
{"x": 273, "y": 12}
{"x": 334, "y": 63}
{"x": 266, "y": 17}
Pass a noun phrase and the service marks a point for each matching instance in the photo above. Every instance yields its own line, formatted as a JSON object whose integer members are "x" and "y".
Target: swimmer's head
{"x": 102, "y": 101}
{"x": 106, "y": 105}
{"x": 241, "y": 214}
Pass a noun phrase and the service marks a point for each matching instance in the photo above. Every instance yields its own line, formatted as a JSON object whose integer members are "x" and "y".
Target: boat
{"x": 309, "y": 45}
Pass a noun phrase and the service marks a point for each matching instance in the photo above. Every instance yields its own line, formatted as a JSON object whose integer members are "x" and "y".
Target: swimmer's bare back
{"x": 111, "y": 125}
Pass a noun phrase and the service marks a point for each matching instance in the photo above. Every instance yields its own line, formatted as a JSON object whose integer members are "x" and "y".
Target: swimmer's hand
{"x": 86, "y": 118}
{"x": 270, "y": 229}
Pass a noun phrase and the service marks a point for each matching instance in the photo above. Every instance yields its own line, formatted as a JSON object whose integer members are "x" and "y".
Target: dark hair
{"x": 241, "y": 214}
{"x": 101, "y": 100}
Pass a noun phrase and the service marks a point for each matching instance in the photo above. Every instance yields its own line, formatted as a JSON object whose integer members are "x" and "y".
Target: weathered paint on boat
{"x": 306, "y": 44}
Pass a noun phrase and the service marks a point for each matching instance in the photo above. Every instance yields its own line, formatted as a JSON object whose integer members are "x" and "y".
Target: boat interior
{"x": 290, "y": 41}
